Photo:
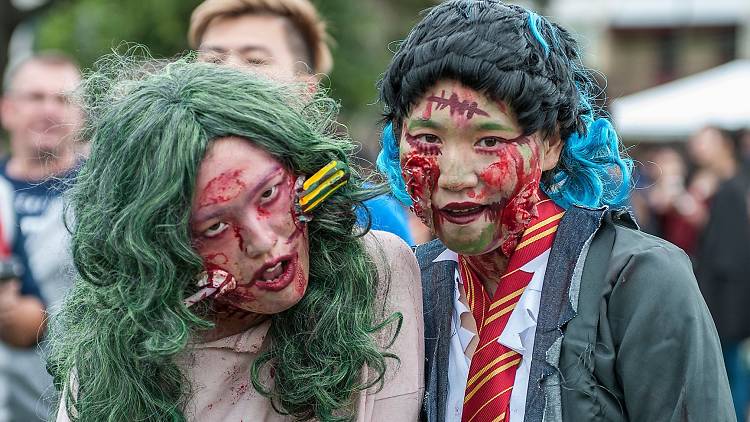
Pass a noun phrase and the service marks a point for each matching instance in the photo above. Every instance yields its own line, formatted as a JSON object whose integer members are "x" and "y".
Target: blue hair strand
{"x": 388, "y": 163}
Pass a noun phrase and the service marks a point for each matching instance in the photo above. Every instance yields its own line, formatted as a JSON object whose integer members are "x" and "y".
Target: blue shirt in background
{"x": 388, "y": 215}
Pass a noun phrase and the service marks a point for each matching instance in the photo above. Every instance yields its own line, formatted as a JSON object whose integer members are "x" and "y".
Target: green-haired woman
{"x": 206, "y": 292}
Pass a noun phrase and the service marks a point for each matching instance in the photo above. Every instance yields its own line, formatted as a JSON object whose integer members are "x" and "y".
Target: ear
{"x": 552, "y": 148}
{"x": 6, "y": 113}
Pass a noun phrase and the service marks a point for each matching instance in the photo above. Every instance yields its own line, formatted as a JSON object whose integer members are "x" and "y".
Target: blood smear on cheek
{"x": 496, "y": 175}
{"x": 421, "y": 174}
{"x": 216, "y": 259}
{"x": 263, "y": 213}
{"x": 299, "y": 281}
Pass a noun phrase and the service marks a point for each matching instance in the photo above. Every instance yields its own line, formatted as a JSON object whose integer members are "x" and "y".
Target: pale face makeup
{"x": 243, "y": 222}
{"x": 472, "y": 173}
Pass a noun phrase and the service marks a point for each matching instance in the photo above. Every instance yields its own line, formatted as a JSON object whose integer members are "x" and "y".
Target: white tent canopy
{"x": 669, "y": 112}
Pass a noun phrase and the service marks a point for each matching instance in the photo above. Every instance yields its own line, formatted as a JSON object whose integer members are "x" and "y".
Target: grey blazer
{"x": 623, "y": 333}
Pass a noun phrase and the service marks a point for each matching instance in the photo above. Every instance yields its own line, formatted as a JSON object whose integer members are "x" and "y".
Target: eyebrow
{"x": 243, "y": 49}
{"x": 423, "y": 123}
{"x": 494, "y": 126}
{"x": 199, "y": 214}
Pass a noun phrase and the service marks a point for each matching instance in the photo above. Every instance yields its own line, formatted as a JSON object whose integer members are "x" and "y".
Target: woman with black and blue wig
{"x": 542, "y": 300}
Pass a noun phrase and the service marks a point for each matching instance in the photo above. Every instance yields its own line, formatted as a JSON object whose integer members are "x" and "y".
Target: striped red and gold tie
{"x": 493, "y": 365}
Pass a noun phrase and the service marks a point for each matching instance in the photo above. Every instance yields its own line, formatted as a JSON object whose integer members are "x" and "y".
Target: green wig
{"x": 124, "y": 322}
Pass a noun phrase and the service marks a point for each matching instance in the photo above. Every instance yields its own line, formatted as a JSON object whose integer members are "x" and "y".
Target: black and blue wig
{"x": 510, "y": 54}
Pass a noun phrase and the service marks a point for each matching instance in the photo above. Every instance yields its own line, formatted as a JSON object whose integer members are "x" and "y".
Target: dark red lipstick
{"x": 276, "y": 274}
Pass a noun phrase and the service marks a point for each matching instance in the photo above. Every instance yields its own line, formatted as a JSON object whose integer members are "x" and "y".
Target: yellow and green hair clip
{"x": 322, "y": 184}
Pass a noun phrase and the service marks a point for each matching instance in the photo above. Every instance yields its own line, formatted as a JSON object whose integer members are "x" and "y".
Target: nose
{"x": 235, "y": 61}
{"x": 53, "y": 106}
{"x": 257, "y": 238}
{"x": 456, "y": 172}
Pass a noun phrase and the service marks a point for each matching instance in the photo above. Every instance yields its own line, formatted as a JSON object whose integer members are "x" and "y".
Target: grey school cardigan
{"x": 623, "y": 333}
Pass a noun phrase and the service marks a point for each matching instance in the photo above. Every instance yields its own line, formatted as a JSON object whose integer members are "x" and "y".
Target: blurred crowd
{"x": 695, "y": 194}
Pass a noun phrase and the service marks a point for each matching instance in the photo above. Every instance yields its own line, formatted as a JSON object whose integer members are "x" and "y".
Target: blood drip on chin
{"x": 225, "y": 307}
{"x": 420, "y": 174}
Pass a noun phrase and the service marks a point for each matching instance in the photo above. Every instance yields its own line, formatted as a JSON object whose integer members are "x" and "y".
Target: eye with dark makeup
{"x": 215, "y": 230}
{"x": 425, "y": 143}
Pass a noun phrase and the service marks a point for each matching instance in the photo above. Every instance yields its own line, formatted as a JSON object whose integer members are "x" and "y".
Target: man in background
{"x": 286, "y": 40}
{"x": 41, "y": 122}
{"x": 723, "y": 253}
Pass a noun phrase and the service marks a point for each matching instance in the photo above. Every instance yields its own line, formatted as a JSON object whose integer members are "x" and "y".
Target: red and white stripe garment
{"x": 505, "y": 350}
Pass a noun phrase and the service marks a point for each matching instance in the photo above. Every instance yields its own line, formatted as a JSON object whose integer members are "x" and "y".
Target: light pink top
{"x": 219, "y": 370}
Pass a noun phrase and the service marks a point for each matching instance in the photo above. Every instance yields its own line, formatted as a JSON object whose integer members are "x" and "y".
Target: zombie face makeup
{"x": 243, "y": 224}
{"x": 473, "y": 175}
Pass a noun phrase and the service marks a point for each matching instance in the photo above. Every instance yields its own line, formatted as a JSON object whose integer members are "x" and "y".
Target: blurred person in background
{"x": 41, "y": 122}
{"x": 679, "y": 212}
{"x": 287, "y": 40}
{"x": 724, "y": 252}
{"x": 714, "y": 160}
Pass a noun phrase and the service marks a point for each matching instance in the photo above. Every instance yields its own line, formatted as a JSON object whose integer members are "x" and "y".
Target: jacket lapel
{"x": 437, "y": 297}
{"x": 556, "y": 308}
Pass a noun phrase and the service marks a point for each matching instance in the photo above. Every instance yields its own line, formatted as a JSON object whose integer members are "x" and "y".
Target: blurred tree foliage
{"x": 363, "y": 32}
{"x": 87, "y": 29}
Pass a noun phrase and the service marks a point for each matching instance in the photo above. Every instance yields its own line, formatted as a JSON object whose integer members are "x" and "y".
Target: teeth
{"x": 272, "y": 272}
{"x": 466, "y": 211}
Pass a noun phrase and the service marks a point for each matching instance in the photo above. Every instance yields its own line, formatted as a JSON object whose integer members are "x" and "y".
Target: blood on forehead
{"x": 222, "y": 188}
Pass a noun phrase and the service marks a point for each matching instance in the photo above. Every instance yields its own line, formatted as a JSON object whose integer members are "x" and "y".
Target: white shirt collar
{"x": 524, "y": 316}
{"x": 446, "y": 255}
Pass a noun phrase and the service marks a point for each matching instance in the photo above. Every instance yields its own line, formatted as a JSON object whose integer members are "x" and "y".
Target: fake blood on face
{"x": 237, "y": 230}
{"x": 222, "y": 188}
{"x": 495, "y": 175}
{"x": 522, "y": 191}
{"x": 216, "y": 259}
{"x": 243, "y": 222}
{"x": 422, "y": 147}
{"x": 456, "y": 105}
{"x": 421, "y": 174}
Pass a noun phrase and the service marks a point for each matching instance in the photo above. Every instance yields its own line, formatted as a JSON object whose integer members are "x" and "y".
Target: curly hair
{"x": 124, "y": 322}
{"x": 515, "y": 55}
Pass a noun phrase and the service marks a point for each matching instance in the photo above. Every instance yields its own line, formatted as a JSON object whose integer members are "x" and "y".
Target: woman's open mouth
{"x": 462, "y": 212}
{"x": 276, "y": 275}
